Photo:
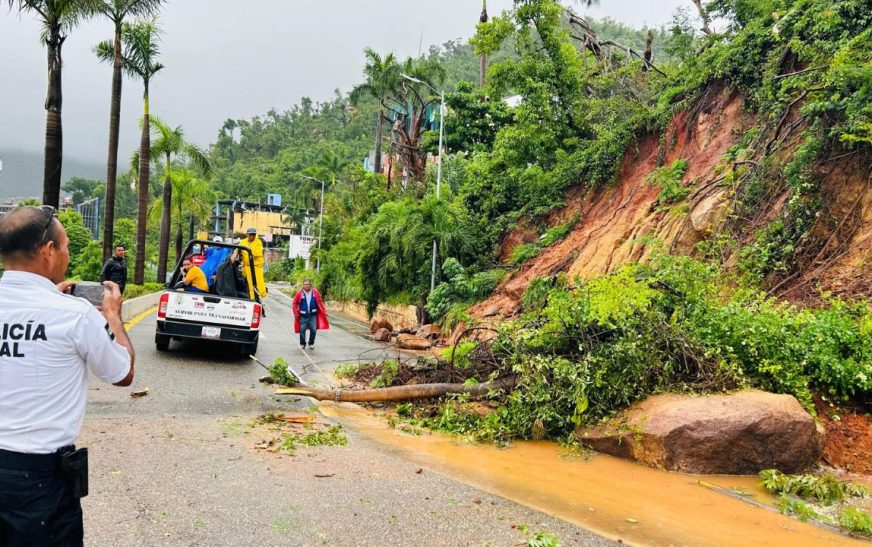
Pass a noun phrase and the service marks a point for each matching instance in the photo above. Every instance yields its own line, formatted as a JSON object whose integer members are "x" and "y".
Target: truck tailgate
{"x": 211, "y": 309}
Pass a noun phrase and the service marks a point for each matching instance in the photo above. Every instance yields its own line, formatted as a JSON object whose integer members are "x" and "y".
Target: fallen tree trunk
{"x": 397, "y": 393}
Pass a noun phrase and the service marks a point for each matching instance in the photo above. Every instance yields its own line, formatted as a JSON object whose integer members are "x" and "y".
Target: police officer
{"x": 49, "y": 341}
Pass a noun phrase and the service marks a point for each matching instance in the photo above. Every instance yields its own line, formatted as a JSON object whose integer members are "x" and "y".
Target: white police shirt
{"x": 48, "y": 340}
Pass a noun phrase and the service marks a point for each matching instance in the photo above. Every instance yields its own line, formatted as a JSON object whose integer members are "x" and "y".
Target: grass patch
{"x": 332, "y": 436}
{"x": 823, "y": 489}
{"x": 817, "y": 497}
{"x": 346, "y": 370}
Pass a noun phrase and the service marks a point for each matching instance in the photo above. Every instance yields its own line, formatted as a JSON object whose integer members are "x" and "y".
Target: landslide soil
{"x": 848, "y": 443}
{"x": 624, "y": 222}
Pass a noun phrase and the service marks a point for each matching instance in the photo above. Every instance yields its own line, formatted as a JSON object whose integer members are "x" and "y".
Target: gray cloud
{"x": 230, "y": 59}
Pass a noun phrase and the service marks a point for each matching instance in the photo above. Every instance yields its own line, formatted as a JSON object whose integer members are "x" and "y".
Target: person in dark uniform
{"x": 49, "y": 340}
{"x": 115, "y": 269}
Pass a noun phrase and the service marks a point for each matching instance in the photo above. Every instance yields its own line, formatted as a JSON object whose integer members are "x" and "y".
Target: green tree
{"x": 58, "y": 17}
{"x": 382, "y": 80}
{"x": 117, "y": 11}
{"x": 190, "y": 194}
{"x": 139, "y": 60}
{"x": 395, "y": 254}
{"x": 79, "y": 237}
{"x": 474, "y": 119}
{"x": 171, "y": 142}
{"x": 82, "y": 189}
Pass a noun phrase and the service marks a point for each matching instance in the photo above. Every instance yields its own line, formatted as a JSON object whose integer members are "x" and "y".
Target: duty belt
{"x": 33, "y": 462}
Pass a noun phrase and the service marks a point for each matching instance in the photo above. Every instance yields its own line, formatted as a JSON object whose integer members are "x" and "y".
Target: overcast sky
{"x": 230, "y": 59}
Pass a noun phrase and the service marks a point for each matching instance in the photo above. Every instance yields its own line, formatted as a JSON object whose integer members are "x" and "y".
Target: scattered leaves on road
{"x": 295, "y": 431}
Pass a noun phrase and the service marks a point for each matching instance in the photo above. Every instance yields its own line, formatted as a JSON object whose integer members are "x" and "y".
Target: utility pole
{"x": 482, "y": 69}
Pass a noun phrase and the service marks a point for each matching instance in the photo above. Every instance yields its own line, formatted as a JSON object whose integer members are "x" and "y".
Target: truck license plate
{"x": 211, "y": 332}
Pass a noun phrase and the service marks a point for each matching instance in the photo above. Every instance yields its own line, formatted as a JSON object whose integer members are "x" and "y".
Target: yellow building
{"x": 266, "y": 222}
{"x": 232, "y": 218}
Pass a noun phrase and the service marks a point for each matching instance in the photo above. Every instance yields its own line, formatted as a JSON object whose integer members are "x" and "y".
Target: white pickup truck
{"x": 221, "y": 315}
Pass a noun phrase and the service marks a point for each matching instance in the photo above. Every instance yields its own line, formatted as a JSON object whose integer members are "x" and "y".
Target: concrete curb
{"x": 135, "y": 306}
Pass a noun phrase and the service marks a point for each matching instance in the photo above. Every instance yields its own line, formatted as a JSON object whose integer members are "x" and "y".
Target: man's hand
{"x": 66, "y": 287}
{"x": 111, "y": 299}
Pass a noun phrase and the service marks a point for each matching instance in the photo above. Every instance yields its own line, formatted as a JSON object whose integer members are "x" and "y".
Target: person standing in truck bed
{"x": 255, "y": 245}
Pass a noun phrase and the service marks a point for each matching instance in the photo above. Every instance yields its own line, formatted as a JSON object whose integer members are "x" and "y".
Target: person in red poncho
{"x": 309, "y": 314}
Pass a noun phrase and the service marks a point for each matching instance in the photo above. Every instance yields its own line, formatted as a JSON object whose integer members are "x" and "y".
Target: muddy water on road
{"x": 615, "y": 498}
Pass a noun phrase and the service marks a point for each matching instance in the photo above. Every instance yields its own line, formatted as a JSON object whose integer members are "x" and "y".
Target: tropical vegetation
{"x": 566, "y": 98}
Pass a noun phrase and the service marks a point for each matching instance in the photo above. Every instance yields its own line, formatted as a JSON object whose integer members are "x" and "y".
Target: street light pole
{"x": 438, "y": 182}
{"x": 320, "y": 229}
{"x": 320, "y": 221}
{"x": 439, "y": 167}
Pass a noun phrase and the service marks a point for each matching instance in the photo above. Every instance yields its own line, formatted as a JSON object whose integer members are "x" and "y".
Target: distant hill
{"x": 22, "y": 173}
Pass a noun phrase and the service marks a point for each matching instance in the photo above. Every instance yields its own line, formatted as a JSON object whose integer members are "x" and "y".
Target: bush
{"x": 669, "y": 180}
{"x": 584, "y": 351}
{"x": 528, "y": 251}
{"x": 132, "y": 291}
{"x": 460, "y": 291}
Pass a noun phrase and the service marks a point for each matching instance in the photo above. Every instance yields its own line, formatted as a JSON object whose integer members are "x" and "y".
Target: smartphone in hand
{"x": 90, "y": 291}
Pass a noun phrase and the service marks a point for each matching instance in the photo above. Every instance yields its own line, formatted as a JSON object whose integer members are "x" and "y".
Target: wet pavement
{"x": 182, "y": 465}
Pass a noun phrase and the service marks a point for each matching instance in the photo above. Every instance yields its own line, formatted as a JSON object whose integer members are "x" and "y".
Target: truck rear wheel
{"x": 162, "y": 342}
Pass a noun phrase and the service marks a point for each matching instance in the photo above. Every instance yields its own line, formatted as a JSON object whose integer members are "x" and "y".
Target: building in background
{"x": 232, "y": 217}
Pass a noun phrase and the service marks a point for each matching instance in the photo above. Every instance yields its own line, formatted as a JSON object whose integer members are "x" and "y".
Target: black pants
{"x": 36, "y": 506}
{"x": 310, "y": 323}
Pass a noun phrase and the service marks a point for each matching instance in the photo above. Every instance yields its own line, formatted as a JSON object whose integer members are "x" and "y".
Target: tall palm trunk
{"x": 178, "y": 243}
{"x": 142, "y": 185}
{"x": 54, "y": 140}
{"x": 112, "y": 160}
{"x": 166, "y": 214}
{"x": 482, "y": 67}
{"x": 379, "y": 124}
{"x": 179, "y": 221}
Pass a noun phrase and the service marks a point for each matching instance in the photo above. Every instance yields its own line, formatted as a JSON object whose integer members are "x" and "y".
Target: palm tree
{"x": 169, "y": 142}
{"x": 482, "y": 68}
{"x": 382, "y": 79}
{"x": 116, "y": 11}
{"x": 58, "y": 17}
{"x": 139, "y": 59}
{"x": 190, "y": 194}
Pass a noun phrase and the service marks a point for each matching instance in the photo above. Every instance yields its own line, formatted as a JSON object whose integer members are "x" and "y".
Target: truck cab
{"x": 227, "y": 313}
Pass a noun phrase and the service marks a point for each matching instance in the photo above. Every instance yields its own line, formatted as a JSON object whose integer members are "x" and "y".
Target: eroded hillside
{"x": 626, "y": 222}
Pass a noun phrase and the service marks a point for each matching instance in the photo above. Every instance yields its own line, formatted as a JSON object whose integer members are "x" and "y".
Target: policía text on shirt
{"x": 15, "y": 332}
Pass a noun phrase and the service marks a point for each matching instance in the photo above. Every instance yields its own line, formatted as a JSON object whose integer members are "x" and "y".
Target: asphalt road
{"x": 184, "y": 465}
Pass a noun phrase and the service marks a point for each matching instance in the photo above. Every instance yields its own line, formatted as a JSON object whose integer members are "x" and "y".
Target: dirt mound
{"x": 624, "y": 223}
{"x": 849, "y": 437}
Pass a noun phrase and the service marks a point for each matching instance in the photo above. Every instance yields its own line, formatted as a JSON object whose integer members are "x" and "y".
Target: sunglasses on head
{"x": 51, "y": 214}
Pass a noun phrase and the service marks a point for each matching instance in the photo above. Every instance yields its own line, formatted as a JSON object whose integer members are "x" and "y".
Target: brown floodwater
{"x": 613, "y": 497}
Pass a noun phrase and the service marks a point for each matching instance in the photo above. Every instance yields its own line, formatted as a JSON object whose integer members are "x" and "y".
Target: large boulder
{"x": 707, "y": 213}
{"x": 382, "y": 335}
{"x": 429, "y": 331}
{"x": 379, "y": 323}
{"x": 410, "y": 341}
{"x": 492, "y": 310}
{"x": 740, "y": 433}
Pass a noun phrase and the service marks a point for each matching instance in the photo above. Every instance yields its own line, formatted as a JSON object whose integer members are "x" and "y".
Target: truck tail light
{"x": 162, "y": 306}
{"x": 255, "y": 317}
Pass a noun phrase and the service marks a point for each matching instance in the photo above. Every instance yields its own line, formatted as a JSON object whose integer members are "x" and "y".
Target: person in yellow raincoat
{"x": 256, "y": 245}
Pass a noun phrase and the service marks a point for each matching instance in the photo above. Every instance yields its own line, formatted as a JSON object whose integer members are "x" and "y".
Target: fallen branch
{"x": 398, "y": 393}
